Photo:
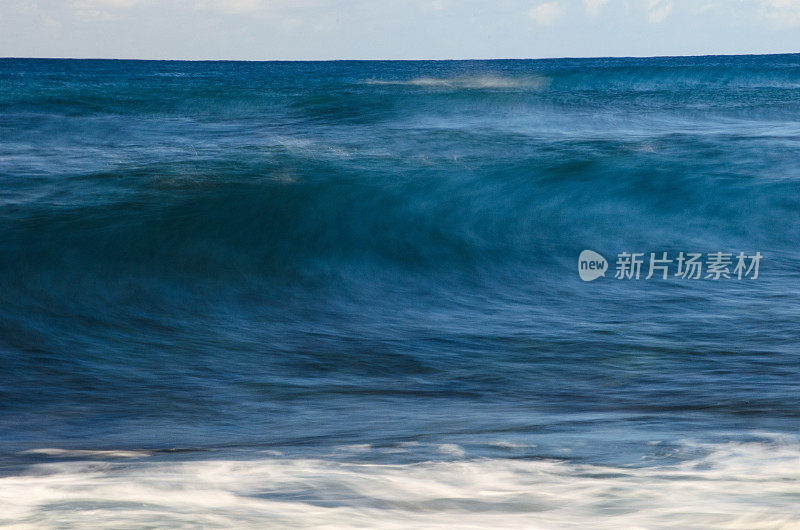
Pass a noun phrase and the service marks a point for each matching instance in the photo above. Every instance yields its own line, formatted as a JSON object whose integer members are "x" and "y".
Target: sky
{"x": 394, "y": 29}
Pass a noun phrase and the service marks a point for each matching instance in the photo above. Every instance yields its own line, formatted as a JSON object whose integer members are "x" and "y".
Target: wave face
{"x": 202, "y": 260}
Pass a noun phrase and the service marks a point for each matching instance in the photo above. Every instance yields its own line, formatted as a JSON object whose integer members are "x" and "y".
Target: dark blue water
{"x": 228, "y": 258}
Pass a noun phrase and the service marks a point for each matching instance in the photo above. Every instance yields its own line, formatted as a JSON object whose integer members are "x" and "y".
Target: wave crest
{"x": 476, "y": 82}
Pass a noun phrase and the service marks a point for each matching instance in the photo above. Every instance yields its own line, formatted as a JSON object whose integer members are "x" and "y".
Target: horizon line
{"x": 699, "y": 55}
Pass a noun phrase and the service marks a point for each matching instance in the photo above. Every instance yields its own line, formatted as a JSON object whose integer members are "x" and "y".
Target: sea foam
{"x": 737, "y": 485}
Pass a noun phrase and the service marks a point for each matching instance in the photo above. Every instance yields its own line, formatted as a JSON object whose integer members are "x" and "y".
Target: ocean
{"x": 348, "y": 294}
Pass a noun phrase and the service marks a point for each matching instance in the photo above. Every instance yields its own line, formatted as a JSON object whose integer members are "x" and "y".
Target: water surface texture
{"x": 347, "y": 293}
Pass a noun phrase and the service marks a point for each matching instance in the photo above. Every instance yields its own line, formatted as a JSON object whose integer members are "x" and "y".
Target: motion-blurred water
{"x": 347, "y": 292}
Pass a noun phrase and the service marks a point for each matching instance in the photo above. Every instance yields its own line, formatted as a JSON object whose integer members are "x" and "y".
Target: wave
{"x": 310, "y": 206}
{"x": 287, "y": 255}
{"x": 735, "y": 485}
{"x": 84, "y": 453}
{"x": 476, "y": 82}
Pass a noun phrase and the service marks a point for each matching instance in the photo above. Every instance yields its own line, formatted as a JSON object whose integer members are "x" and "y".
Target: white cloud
{"x": 546, "y": 14}
{"x": 233, "y": 6}
{"x": 100, "y": 10}
{"x": 659, "y": 10}
{"x": 238, "y": 7}
{"x": 436, "y": 5}
{"x": 784, "y": 13}
{"x": 593, "y": 7}
{"x": 104, "y": 4}
{"x": 117, "y": 4}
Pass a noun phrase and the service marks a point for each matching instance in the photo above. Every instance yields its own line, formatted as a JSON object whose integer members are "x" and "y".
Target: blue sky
{"x": 394, "y": 29}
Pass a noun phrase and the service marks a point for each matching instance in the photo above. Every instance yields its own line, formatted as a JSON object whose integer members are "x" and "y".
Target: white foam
{"x": 748, "y": 486}
{"x": 82, "y": 453}
{"x": 451, "y": 450}
{"x": 469, "y": 82}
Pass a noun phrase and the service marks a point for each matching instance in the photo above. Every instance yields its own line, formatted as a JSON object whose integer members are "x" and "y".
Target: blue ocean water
{"x": 348, "y": 290}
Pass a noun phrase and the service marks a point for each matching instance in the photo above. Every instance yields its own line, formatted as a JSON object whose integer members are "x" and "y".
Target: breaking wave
{"x": 751, "y": 485}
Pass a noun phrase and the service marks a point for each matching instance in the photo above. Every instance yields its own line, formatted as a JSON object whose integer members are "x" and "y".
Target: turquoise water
{"x": 279, "y": 281}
